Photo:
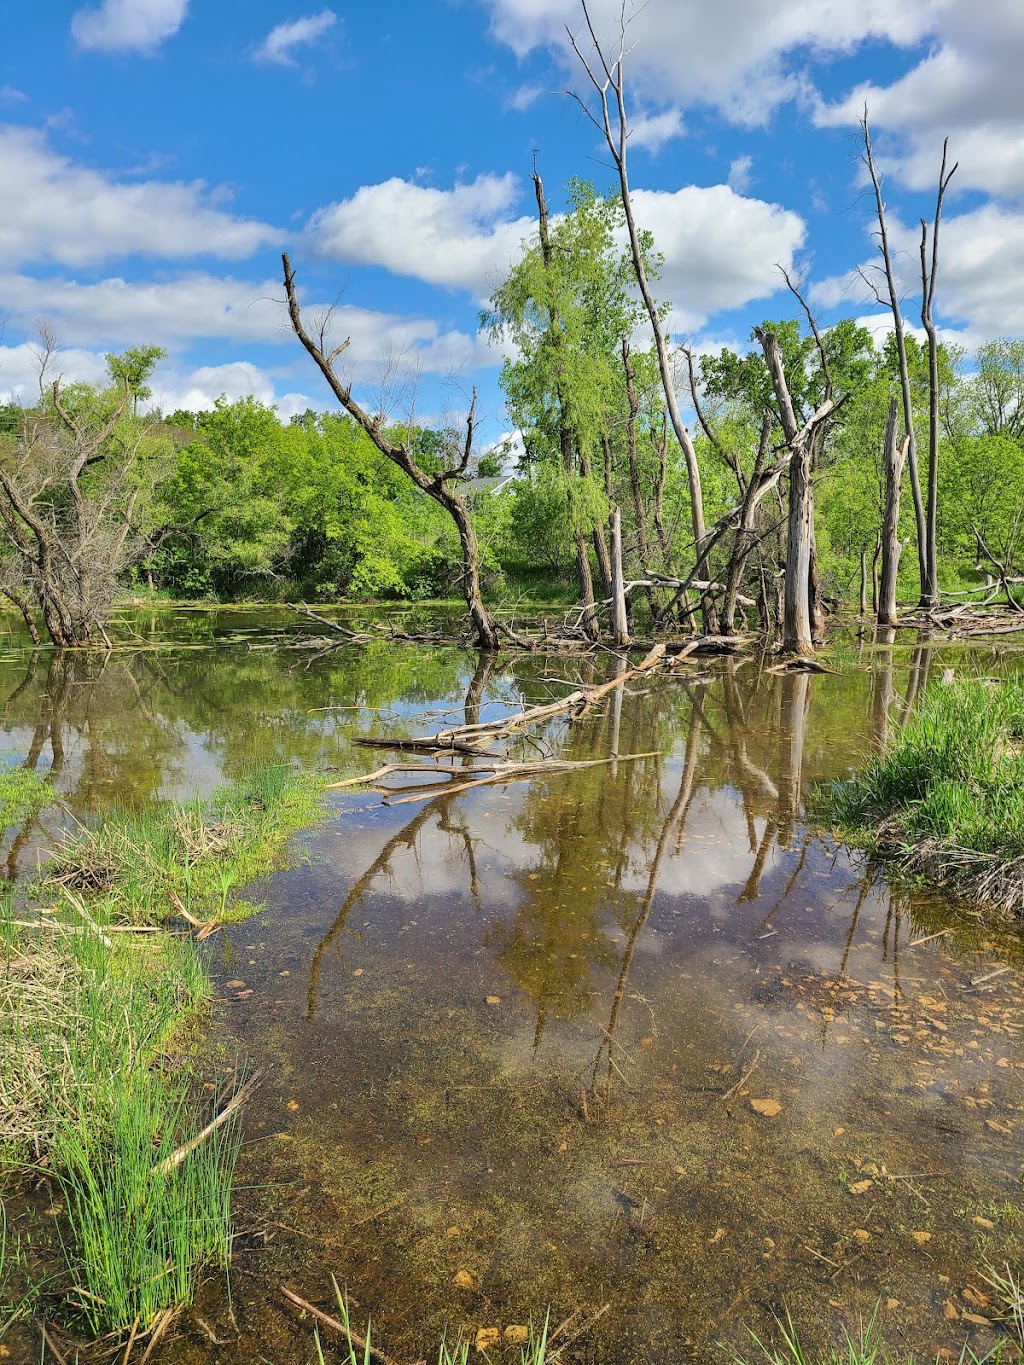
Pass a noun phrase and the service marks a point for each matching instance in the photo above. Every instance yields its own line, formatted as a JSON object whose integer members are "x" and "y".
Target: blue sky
{"x": 157, "y": 155}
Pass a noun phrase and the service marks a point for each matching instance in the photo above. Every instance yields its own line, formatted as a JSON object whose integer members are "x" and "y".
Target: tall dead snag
{"x": 566, "y": 435}
{"x": 892, "y": 298}
{"x": 929, "y": 274}
{"x": 894, "y": 454}
{"x": 608, "y": 79}
{"x": 620, "y": 620}
{"x": 798, "y": 631}
{"x": 439, "y": 486}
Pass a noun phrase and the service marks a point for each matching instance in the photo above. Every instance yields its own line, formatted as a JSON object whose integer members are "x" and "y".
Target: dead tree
{"x": 798, "y": 625}
{"x": 440, "y": 486}
{"x": 929, "y": 274}
{"x": 68, "y": 490}
{"x": 607, "y": 77}
{"x": 892, "y": 299}
{"x": 894, "y": 454}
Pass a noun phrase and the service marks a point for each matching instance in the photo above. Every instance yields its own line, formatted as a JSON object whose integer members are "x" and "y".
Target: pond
{"x": 631, "y": 1042}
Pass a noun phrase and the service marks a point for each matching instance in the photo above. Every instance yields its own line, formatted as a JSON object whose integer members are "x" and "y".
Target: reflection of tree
{"x": 675, "y": 823}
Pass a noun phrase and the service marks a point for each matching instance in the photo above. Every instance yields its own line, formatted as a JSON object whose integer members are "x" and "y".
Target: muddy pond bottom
{"x": 518, "y": 1069}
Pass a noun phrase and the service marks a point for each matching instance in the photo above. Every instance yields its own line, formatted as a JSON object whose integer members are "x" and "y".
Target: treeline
{"x": 234, "y": 503}
{"x": 791, "y": 480}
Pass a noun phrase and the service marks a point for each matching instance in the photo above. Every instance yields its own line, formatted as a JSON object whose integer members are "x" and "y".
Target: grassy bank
{"x": 98, "y": 1056}
{"x": 946, "y": 799}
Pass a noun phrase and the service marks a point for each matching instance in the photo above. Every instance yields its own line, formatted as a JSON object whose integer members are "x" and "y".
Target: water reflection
{"x": 517, "y": 1032}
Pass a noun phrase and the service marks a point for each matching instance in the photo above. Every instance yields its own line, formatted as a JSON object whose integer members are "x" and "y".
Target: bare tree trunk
{"x": 874, "y": 574}
{"x": 435, "y": 486}
{"x": 615, "y": 128}
{"x": 620, "y": 625}
{"x": 797, "y": 631}
{"x": 901, "y": 351}
{"x": 929, "y": 274}
{"x": 893, "y": 456}
{"x": 814, "y": 598}
{"x": 639, "y": 514}
{"x": 863, "y": 582}
{"x": 585, "y": 582}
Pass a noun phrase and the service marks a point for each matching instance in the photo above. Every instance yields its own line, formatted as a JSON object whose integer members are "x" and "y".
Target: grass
{"x": 149, "y": 863}
{"x": 946, "y": 798}
{"x": 94, "y": 1066}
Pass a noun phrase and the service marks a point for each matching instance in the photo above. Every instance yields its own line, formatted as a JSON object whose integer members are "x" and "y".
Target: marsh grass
{"x": 193, "y": 853}
{"x": 91, "y": 1029}
{"x": 946, "y": 798}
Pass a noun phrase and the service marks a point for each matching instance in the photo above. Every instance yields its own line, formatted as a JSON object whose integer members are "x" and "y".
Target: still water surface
{"x": 632, "y": 1036}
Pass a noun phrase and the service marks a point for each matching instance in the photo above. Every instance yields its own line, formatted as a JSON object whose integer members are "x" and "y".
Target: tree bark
{"x": 620, "y": 623}
{"x": 929, "y": 274}
{"x": 894, "y": 455}
{"x": 797, "y": 629}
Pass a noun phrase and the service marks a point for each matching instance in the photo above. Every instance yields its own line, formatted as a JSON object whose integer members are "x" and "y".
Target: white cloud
{"x": 9, "y": 95}
{"x": 76, "y": 216}
{"x": 19, "y": 371}
{"x": 740, "y": 55}
{"x": 128, "y": 25}
{"x": 654, "y": 130}
{"x": 199, "y": 389}
{"x": 115, "y": 313}
{"x": 460, "y": 238}
{"x": 980, "y": 290}
{"x": 281, "y": 41}
{"x": 969, "y": 87}
{"x": 739, "y": 174}
{"x": 721, "y": 249}
{"x": 525, "y": 97}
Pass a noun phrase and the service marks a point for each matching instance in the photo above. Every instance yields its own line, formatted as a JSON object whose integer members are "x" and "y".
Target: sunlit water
{"x": 629, "y": 1036}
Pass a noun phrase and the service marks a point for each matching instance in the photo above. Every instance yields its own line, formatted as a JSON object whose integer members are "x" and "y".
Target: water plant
{"x": 946, "y": 798}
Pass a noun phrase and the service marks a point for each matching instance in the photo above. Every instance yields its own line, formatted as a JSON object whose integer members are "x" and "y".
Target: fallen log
{"x": 471, "y": 739}
{"x": 517, "y": 772}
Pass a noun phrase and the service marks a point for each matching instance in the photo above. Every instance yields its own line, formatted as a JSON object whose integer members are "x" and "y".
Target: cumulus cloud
{"x": 198, "y": 390}
{"x": 742, "y": 56}
{"x": 980, "y": 289}
{"x": 128, "y": 25}
{"x": 720, "y": 248}
{"x": 654, "y": 130}
{"x": 281, "y": 42}
{"x": 461, "y": 238}
{"x": 75, "y": 216}
{"x": 739, "y": 174}
{"x": 969, "y": 88}
{"x": 19, "y": 371}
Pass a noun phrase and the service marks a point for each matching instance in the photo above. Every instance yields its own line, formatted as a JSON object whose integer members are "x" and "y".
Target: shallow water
{"x": 516, "y": 1036}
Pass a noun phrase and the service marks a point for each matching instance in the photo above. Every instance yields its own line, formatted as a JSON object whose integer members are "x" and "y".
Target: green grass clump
{"x": 149, "y": 863}
{"x": 946, "y": 798}
{"x": 22, "y": 791}
{"x": 865, "y": 1347}
{"x": 88, "y": 1029}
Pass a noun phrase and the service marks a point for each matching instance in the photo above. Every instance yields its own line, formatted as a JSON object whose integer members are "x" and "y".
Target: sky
{"x": 156, "y": 156}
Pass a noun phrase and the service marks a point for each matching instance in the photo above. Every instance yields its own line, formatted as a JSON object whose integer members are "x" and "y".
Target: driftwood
{"x": 517, "y": 772}
{"x": 343, "y": 1329}
{"x": 175, "y": 1159}
{"x": 471, "y": 738}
